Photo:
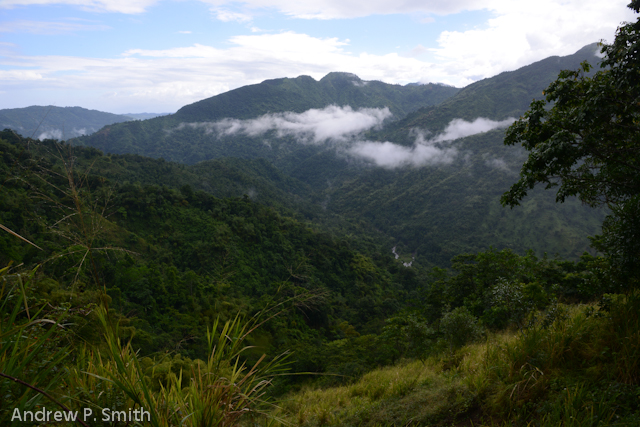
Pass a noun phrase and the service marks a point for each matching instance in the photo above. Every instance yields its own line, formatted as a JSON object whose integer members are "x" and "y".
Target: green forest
{"x": 193, "y": 283}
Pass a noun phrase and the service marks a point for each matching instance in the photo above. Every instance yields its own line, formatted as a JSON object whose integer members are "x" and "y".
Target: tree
{"x": 584, "y": 138}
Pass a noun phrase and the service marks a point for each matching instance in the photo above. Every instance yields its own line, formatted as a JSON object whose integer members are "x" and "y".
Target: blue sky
{"x": 131, "y": 56}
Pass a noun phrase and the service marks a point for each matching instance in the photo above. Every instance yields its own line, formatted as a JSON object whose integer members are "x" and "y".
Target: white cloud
{"x": 425, "y": 152}
{"x": 171, "y": 78}
{"x": 225, "y": 15}
{"x": 496, "y": 163}
{"x": 50, "y": 134}
{"x": 389, "y": 155}
{"x": 520, "y": 34}
{"x": 332, "y": 123}
{"x": 459, "y": 128}
{"x": 342, "y": 128}
{"x": 340, "y": 9}
{"x": 13, "y": 76}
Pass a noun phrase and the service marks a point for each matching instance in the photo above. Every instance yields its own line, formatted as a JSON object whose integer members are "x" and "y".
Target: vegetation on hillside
{"x": 158, "y": 137}
{"x": 561, "y": 340}
{"x": 119, "y": 292}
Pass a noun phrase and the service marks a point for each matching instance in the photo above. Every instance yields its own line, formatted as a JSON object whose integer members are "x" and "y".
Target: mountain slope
{"x": 302, "y": 93}
{"x": 56, "y": 122}
{"x": 177, "y": 137}
{"x": 440, "y": 210}
{"x": 506, "y": 95}
{"x": 177, "y": 259}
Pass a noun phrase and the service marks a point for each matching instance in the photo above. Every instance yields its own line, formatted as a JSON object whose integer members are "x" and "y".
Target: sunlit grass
{"x": 560, "y": 371}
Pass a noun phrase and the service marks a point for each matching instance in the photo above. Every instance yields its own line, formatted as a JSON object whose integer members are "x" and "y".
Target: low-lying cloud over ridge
{"x": 312, "y": 126}
{"x": 424, "y": 151}
{"x": 459, "y": 128}
{"x": 344, "y": 126}
{"x": 389, "y": 155}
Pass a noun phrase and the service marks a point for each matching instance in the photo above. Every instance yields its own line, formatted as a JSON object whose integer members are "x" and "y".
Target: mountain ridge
{"x": 489, "y": 98}
{"x": 56, "y": 122}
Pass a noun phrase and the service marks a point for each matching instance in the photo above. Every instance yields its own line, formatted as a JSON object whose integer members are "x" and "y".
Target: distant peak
{"x": 590, "y": 49}
{"x": 339, "y": 75}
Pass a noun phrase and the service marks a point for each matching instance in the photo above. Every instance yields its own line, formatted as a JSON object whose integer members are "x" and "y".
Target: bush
{"x": 459, "y": 327}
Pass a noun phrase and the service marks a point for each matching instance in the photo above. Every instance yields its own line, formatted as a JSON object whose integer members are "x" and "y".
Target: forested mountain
{"x": 178, "y": 137}
{"x": 506, "y": 95}
{"x": 441, "y": 209}
{"x": 303, "y": 93}
{"x": 42, "y": 122}
{"x": 423, "y": 165}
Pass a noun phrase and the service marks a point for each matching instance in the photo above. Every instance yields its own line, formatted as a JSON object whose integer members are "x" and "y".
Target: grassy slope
{"x": 581, "y": 371}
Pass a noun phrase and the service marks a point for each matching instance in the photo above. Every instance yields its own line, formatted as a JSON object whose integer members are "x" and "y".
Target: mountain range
{"x": 421, "y": 166}
{"x": 63, "y": 123}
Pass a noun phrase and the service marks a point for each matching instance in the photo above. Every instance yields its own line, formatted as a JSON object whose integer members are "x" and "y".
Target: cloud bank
{"x": 424, "y": 152}
{"x": 60, "y": 135}
{"x": 332, "y": 123}
{"x": 342, "y": 127}
{"x": 389, "y": 155}
{"x": 459, "y": 128}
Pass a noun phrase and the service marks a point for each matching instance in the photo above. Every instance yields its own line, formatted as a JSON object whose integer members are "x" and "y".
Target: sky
{"x": 134, "y": 56}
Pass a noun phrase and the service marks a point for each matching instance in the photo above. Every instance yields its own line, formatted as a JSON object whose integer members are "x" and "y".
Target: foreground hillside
{"x": 163, "y": 293}
{"x": 578, "y": 367}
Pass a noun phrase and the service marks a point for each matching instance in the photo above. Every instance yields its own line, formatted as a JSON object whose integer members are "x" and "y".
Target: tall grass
{"x": 30, "y": 363}
{"x": 220, "y": 391}
{"x": 580, "y": 370}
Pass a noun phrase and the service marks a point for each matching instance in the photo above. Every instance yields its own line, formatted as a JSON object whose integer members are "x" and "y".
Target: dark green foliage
{"x": 408, "y": 335}
{"x": 174, "y": 260}
{"x": 502, "y": 288}
{"x": 459, "y": 327}
{"x": 583, "y": 139}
